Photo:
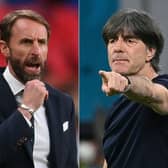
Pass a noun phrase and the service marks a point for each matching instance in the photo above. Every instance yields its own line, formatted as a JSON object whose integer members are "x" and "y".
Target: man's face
{"x": 128, "y": 55}
{"x": 28, "y": 48}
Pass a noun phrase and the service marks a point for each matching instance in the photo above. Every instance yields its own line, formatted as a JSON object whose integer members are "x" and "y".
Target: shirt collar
{"x": 15, "y": 85}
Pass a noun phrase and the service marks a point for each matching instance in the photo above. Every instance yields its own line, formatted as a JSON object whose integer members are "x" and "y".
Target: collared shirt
{"x": 41, "y": 133}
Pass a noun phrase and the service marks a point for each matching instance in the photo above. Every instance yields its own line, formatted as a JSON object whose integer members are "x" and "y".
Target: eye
{"x": 131, "y": 41}
{"x": 112, "y": 41}
{"x": 26, "y": 41}
{"x": 42, "y": 41}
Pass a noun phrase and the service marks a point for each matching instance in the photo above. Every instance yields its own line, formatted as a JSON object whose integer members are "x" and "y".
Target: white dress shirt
{"x": 41, "y": 146}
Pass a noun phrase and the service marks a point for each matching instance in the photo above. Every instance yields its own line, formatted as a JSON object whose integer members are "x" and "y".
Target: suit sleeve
{"x": 14, "y": 132}
{"x": 73, "y": 160}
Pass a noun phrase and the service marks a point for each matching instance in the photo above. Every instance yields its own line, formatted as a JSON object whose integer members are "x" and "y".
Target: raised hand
{"x": 34, "y": 94}
{"x": 112, "y": 82}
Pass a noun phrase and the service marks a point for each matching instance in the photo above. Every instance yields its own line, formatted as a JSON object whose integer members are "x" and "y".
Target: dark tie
{"x": 32, "y": 122}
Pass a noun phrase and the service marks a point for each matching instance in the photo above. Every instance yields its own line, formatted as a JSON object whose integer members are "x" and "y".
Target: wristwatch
{"x": 25, "y": 107}
{"x": 127, "y": 88}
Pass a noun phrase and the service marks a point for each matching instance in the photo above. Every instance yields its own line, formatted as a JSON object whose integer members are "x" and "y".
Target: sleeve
{"x": 162, "y": 80}
{"x": 14, "y": 132}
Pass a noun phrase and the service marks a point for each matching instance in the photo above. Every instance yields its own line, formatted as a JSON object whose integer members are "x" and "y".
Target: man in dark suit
{"x": 37, "y": 126}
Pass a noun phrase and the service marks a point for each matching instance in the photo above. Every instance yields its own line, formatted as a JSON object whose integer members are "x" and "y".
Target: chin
{"x": 120, "y": 71}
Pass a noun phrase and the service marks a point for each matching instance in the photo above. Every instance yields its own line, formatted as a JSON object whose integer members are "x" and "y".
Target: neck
{"x": 149, "y": 72}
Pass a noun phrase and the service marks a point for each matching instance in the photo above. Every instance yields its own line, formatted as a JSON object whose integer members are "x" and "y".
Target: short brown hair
{"x": 8, "y": 21}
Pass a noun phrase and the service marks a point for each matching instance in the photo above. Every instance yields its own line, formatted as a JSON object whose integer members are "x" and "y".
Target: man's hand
{"x": 113, "y": 83}
{"x": 34, "y": 94}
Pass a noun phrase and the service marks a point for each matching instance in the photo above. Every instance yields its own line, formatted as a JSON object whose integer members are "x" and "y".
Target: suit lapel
{"x": 55, "y": 129}
{"x": 29, "y": 149}
{"x": 8, "y": 102}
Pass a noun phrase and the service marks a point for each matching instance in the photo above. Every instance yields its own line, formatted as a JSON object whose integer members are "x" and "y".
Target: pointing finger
{"x": 104, "y": 75}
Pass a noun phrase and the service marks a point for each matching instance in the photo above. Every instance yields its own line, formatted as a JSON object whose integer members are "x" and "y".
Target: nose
{"x": 35, "y": 48}
{"x": 119, "y": 44}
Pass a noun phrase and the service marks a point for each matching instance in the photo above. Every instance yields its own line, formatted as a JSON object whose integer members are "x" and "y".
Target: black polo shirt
{"x": 136, "y": 136}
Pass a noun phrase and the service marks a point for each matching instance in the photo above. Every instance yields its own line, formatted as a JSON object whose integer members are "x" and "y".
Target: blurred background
{"x": 62, "y": 65}
{"x": 94, "y": 105}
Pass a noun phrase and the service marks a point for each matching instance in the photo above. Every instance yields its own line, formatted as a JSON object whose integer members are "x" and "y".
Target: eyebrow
{"x": 27, "y": 39}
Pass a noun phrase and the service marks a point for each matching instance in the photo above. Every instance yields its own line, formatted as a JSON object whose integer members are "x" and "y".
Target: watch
{"x": 127, "y": 88}
{"x": 25, "y": 107}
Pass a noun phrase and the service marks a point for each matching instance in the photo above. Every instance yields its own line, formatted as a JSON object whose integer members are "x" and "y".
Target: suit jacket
{"x": 15, "y": 134}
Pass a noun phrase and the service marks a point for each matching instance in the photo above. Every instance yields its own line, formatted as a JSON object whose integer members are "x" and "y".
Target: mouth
{"x": 120, "y": 60}
{"x": 33, "y": 68}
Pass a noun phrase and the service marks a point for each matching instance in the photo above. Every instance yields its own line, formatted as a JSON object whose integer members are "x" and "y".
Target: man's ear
{"x": 150, "y": 54}
{"x": 4, "y": 49}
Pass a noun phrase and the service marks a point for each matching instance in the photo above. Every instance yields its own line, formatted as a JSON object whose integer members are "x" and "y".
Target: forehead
{"x": 28, "y": 28}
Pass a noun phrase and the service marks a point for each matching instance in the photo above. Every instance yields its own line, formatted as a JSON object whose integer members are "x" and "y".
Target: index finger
{"x": 103, "y": 74}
